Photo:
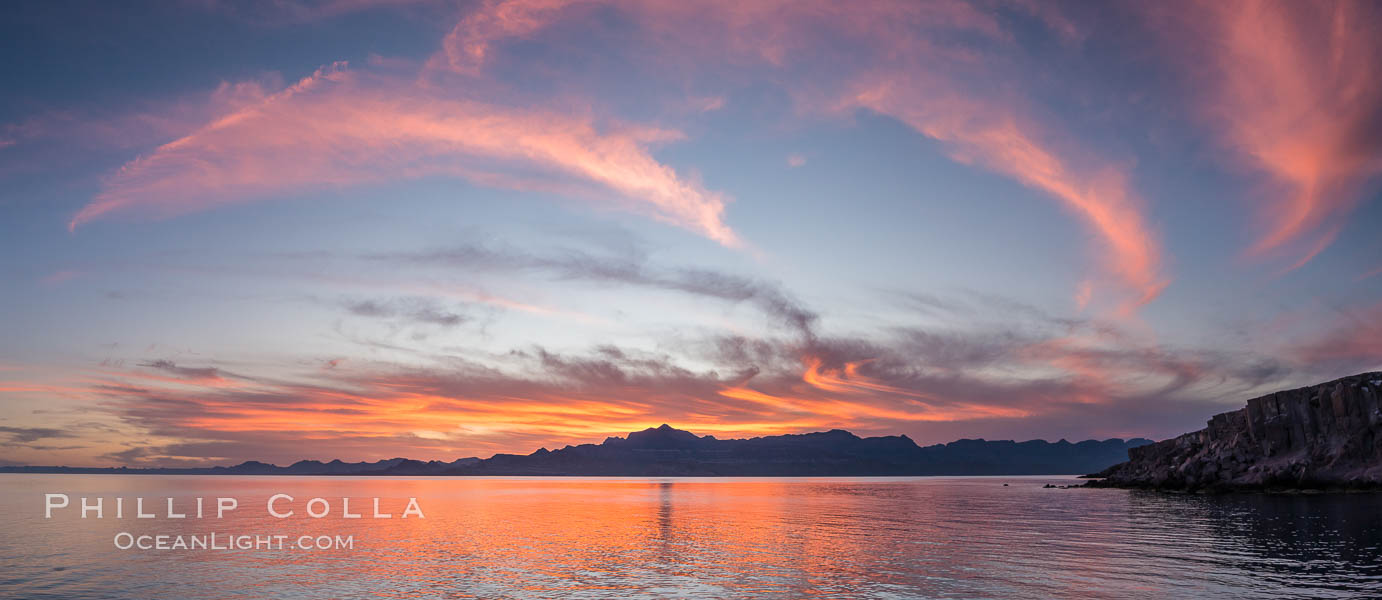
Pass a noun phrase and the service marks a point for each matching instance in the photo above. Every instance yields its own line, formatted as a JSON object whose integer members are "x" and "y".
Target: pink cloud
{"x": 1295, "y": 91}
{"x": 888, "y": 57}
{"x": 996, "y": 137}
{"x": 338, "y": 128}
{"x": 341, "y": 127}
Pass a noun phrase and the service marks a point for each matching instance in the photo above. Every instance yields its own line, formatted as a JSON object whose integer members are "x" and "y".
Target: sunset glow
{"x": 375, "y": 229}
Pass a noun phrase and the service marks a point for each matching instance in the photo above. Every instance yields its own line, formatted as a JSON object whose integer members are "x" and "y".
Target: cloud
{"x": 979, "y": 365}
{"x": 339, "y": 128}
{"x": 56, "y": 136}
{"x": 1034, "y": 376}
{"x": 933, "y": 66}
{"x": 417, "y": 310}
{"x": 294, "y": 12}
{"x": 796, "y": 160}
{"x": 942, "y": 68}
{"x": 771, "y": 30}
{"x": 997, "y": 138}
{"x": 628, "y": 269}
{"x": 193, "y": 373}
{"x": 25, "y": 435}
{"x": 1349, "y": 342}
{"x": 1292, "y": 91}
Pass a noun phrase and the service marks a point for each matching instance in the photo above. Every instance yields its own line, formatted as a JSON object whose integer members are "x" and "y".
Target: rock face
{"x": 1319, "y": 437}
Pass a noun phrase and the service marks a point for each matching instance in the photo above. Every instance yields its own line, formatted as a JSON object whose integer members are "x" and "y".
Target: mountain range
{"x": 667, "y": 451}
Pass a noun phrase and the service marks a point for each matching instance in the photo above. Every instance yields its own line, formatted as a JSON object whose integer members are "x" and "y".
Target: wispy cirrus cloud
{"x": 917, "y": 62}
{"x": 1292, "y": 89}
{"x": 339, "y": 128}
{"x": 628, "y": 269}
{"x": 153, "y": 122}
{"x": 998, "y": 138}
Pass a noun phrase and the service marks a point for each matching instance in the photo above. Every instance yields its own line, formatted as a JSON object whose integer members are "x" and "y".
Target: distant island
{"x": 1326, "y": 436}
{"x": 669, "y": 452}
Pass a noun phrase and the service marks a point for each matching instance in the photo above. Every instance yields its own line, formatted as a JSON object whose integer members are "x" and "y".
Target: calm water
{"x": 710, "y": 538}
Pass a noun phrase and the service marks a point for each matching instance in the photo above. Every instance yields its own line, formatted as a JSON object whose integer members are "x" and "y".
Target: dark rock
{"x": 1319, "y": 437}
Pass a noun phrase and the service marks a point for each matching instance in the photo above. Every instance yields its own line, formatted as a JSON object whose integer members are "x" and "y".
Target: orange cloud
{"x": 422, "y": 414}
{"x": 850, "y": 413}
{"x": 339, "y": 128}
{"x": 1072, "y": 378}
{"x": 871, "y": 399}
{"x": 414, "y": 416}
{"x": 1295, "y": 89}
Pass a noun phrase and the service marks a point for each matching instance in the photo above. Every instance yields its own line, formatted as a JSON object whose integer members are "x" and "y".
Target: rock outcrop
{"x": 1326, "y": 436}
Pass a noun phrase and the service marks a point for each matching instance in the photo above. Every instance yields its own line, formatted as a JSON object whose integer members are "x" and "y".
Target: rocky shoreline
{"x": 1325, "y": 437}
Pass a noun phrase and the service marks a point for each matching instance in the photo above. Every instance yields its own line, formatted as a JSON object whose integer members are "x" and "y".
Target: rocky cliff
{"x": 1319, "y": 437}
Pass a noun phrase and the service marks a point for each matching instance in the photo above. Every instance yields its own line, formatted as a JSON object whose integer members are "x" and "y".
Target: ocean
{"x": 598, "y": 538}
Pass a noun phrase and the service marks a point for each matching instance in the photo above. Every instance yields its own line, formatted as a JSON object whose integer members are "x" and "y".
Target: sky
{"x": 362, "y": 229}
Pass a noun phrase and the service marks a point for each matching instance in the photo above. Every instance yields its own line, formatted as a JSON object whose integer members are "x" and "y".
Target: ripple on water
{"x": 712, "y": 538}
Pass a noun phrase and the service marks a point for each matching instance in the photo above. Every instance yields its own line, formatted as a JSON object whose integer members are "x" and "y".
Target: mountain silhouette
{"x": 668, "y": 451}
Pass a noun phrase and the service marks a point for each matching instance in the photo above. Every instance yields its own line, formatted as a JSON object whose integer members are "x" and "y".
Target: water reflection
{"x": 1316, "y": 545}
{"x": 715, "y": 538}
